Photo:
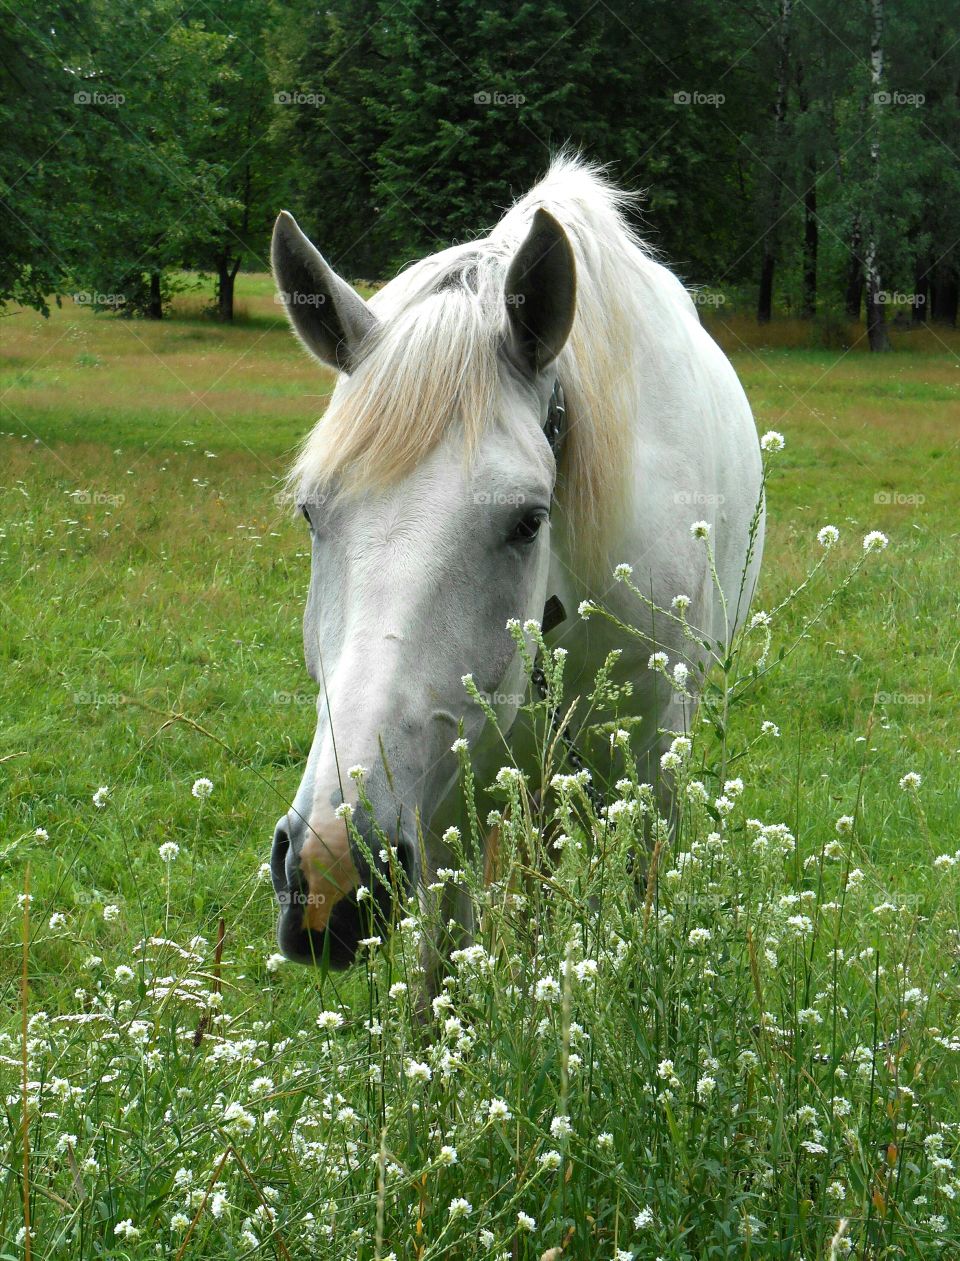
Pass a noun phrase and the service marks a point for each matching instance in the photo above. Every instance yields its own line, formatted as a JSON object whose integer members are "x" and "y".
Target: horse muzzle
{"x": 330, "y": 896}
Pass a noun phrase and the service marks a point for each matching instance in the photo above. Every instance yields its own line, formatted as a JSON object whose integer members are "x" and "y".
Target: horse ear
{"x": 329, "y": 317}
{"x": 540, "y": 295}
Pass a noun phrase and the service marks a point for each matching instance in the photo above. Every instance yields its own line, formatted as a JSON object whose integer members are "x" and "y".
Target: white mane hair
{"x": 431, "y": 362}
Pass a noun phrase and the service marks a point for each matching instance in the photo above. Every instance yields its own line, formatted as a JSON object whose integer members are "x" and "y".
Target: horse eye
{"x": 306, "y": 515}
{"x": 527, "y": 528}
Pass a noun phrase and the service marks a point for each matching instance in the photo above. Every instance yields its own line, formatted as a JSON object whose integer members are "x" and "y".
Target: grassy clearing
{"x": 148, "y": 569}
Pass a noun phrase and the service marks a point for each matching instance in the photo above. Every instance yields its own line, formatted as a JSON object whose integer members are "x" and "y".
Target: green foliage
{"x": 391, "y": 131}
{"x": 41, "y": 152}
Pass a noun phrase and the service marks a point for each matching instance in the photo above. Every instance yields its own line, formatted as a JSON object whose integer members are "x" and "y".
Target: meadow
{"x": 754, "y": 1054}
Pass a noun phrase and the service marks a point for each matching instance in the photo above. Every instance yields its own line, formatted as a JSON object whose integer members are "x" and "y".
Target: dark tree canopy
{"x": 802, "y": 153}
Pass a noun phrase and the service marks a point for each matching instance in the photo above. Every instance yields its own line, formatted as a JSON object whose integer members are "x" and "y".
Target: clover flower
{"x": 560, "y": 1127}
{"x": 327, "y": 1021}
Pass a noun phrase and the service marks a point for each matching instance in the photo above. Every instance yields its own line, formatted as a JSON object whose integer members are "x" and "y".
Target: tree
{"x": 329, "y": 67}
{"x": 148, "y": 194}
{"x": 777, "y": 164}
{"x": 42, "y": 149}
{"x": 876, "y": 310}
{"x": 235, "y": 142}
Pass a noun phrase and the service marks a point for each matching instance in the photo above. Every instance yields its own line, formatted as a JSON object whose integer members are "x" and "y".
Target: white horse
{"x": 446, "y": 493}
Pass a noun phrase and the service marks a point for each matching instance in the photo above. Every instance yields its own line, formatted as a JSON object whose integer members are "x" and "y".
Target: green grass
{"x": 146, "y": 570}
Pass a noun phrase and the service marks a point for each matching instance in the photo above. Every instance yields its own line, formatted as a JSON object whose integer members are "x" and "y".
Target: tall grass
{"x": 719, "y": 1035}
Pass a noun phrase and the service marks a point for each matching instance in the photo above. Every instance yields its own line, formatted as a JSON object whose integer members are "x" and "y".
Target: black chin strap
{"x": 553, "y": 614}
{"x": 554, "y": 429}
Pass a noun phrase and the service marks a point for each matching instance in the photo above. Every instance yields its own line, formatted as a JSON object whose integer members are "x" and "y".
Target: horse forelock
{"x": 432, "y": 362}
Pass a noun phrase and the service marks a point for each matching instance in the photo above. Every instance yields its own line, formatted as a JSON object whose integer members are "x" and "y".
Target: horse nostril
{"x": 278, "y": 857}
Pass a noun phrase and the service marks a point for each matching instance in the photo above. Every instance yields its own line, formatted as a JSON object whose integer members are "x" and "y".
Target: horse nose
{"x": 312, "y": 866}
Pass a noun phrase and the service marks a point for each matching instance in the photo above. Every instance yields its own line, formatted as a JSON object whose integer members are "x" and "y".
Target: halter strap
{"x": 554, "y": 429}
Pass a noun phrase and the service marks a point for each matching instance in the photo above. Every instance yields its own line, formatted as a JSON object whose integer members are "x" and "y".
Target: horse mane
{"x": 432, "y": 361}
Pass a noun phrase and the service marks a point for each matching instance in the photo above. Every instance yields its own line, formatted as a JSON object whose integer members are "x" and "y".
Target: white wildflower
{"x": 560, "y": 1127}
{"x": 875, "y": 541}
{"x": 498, "y": 1110}
{"x": 329, "y": 1020}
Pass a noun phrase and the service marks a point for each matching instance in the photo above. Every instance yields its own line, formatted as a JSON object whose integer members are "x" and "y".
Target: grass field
{"x": 190, "y": 1105}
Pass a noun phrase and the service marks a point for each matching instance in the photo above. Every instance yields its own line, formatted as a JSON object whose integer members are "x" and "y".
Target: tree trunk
{"x": 226, "y": 280}
{"x": 811, "y": 243}
{"x": 876, "y": 308}
{"x": 765, "y": 298}
{"x": 921, "y": 290}
{"x": 155, "y": 301}
{"x": 768, "y": 254}
{"x": 944, "y": 295}
{"x": 854, "y": 290}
